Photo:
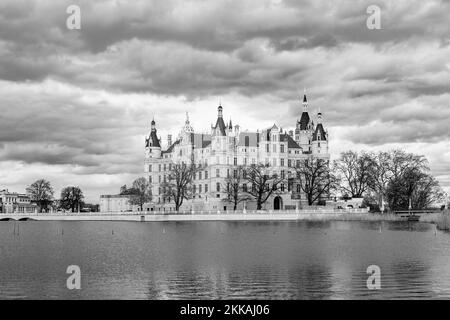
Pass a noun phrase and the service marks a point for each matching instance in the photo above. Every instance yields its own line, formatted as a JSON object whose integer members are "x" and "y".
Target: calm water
{"x": 219, "y": 260}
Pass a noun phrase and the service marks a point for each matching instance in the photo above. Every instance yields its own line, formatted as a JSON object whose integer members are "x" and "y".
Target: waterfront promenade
{"x": 271, "y": 215}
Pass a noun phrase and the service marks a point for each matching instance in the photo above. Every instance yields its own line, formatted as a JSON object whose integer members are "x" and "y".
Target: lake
{"x": 223, "y": 260}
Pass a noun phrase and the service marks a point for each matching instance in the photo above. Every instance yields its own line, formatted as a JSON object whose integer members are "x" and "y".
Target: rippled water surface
{"x": 224, "y": 260}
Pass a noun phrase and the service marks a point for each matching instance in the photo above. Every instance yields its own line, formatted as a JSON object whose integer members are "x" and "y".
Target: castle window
{"x": 234, "y": 173}
{"x": 199, "y": 188}
{"x": 247, "y": 141}
{"x": 159, "y": 167}
{"x": 150, "y": 168}
{"x": 206, "y": 187}
{"x": 282, "y": 174}
{"x": 267, "y": 148}
{"x": 217, "y": 173}
{"x": 282, "y": 187}
{"x": 319, "y": 144}
{"x": 235, "y": 161}
{"x": 244, "y": 187}
{"x": 282, "y": 148}
{"x": 206, "y": 174}
{"x": 282, "y": 162}
{"x": 274, "y": 148}
{"x": 218, "y": 187}
{"x": 289, "y": 162}
{"x": 199, "y": 175}
{"x": 298, "y": 188}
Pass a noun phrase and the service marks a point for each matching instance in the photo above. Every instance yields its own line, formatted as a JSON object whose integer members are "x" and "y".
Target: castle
{"x": 228, "y": 146}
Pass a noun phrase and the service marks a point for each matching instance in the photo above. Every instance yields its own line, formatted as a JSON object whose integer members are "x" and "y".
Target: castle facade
{"x": 226, "y": 147}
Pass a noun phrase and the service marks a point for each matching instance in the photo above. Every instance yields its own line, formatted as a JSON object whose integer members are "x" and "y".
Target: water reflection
{"x": 224, "y": 260}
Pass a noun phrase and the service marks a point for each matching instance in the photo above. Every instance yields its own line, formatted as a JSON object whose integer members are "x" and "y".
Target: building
{"x": 13, "y": 202}
{"x": 115, "y": 203}
{"x": 227, "y": 146}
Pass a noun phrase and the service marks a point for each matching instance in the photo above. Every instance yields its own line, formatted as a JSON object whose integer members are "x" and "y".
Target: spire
{"x": 187, "y": 124}
{"x": 153, "y": 140}
{"x": 305, "y": 101}
{"x": 319, "y": 116}
{"x": 230, "y": 126}
{"x": 220, "y": 126}
{"x": 304, "y": 120}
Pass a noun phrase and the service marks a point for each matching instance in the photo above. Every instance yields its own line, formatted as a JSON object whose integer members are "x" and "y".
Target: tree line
{"x": 395, "y": 178}
{"x": 71, "y": 198}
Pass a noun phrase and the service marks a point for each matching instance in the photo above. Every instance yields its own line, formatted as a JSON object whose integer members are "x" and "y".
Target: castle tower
{"x": 320, "y": 139}
{"x": 303, "y": 130}
{"x": 152, "y": 143}
{"x": 219, "y": 132}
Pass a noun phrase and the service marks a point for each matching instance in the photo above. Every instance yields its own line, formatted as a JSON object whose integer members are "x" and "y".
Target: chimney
{"x": 291, "y": 133}
{"x": 169, "y": 140}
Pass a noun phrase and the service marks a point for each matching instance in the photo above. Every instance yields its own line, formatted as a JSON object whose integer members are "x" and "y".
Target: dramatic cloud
{"x": 76, "y": 104}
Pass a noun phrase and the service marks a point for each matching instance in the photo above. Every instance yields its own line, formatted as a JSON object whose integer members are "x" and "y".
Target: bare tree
{"x": 356, "y": 172}
{"x": 41, "y": 192}
{"x": 140, "y": 192}
{"x": 380, "y": 175}
{"x": 414, "y": 186}
{"x": 178, "y": 186}
{"x": 315, "y": 179}
{"x": 397, "y": 175}
{"x": 236, "y": 187}
{"x": 71, "y": 198}
{"x": 263, "y": 184}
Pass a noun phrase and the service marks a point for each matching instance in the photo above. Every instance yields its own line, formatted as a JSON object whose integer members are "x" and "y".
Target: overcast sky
{"x": 75, "y": 105}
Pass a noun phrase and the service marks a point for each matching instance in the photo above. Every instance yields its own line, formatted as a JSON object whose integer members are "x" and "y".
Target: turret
{"x": 219, "y": 129}
{"x": 303, "y": 130}
{"x": 320, "y": 138}
{"x": 152, "y": 143}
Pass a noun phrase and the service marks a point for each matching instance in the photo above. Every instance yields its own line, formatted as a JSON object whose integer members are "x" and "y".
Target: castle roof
{"x": 291, "y": 143}
{"x": 304, "y": 121}
{"x": 201, "y": 140}
{"x": 219, "y": 128}
{"x": 152, "y": 140}
{"x": 253, "y": 139}
{"x": 319, "y": 131}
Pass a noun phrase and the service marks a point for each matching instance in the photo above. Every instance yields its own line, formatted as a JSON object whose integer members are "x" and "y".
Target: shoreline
{"x": 278, "y": 216}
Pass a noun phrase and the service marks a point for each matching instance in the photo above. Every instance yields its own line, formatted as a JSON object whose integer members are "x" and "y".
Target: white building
{"x": 115, "y": 203}
{"x": 228, "y": 146}
{"x": 13, "y": 202}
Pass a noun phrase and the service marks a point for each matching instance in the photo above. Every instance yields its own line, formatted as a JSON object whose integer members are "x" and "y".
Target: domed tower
{"x": 320, "y": 139}
{"x": 152, "y": 143}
